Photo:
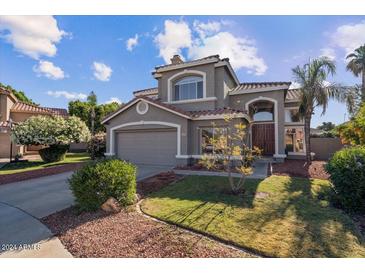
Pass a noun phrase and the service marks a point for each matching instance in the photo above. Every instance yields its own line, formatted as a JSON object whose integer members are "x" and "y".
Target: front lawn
{"x": 288, "y": 217}
{"x": 39, "y": 164}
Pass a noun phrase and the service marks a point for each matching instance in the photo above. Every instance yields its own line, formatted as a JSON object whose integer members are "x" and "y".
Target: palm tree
{"x": 357, "y": 66}
{"x": 316, "y": 92}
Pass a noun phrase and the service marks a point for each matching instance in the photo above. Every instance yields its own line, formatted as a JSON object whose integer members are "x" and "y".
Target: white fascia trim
{"x": 186, "y": 65}
{"x": 276, "y": 118}
{"x": 225, "y": 63}
{"x": 177, "y": 126}
{"x": 148, "y": 102}
{"x": 186, "y": 71}
{"x": 199, "y": 100}
{"x": 259, "y": 90}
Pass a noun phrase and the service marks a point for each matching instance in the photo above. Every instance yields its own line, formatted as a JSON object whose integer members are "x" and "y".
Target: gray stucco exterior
{"x": 179, "y": 116}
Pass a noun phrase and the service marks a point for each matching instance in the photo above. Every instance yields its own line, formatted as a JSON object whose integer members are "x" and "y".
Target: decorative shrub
{"x": 347, "y": 173}
{"x": 53, "y": 131}
{"x": 50, "y": 130}
{"x": 97, "y": 181}
{"x": 53, "y": 153}
{"x": 98, "y": 144}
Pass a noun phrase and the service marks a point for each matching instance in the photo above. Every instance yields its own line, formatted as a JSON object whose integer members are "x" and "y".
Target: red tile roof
{"x": 258, "y": 85}
{"x": 28, "y": 108}
{"x": 4, "y": 123}
{"x": 217, "y": 111}
{"x": 188, "y": 114}
{"x": 293, "y": 95}
{"x": 147, "y": 91}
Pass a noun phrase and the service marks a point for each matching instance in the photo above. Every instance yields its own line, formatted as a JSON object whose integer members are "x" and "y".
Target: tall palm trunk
{"x": 307, "y": 124}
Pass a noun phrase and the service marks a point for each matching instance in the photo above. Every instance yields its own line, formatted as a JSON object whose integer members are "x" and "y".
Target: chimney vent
{"x": 176, "y": 59}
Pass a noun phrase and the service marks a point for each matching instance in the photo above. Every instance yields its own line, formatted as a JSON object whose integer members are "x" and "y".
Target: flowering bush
{"x": 49, "y": 130}
{"x": 53, "y": 131}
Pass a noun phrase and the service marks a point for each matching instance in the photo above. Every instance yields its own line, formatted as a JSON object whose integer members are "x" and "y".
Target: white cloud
{"x": 132, "y": 43}
{"x": 204, "y": 29}
{"x": 32, "y": 35}
{"x": 102, "y": 72}
{"x": 68, "y": 95}
{"x": 241, "y": 52}
{"x": 207, "y": 39}
{"x": 176, "y": 35}
{"x": 49, "y": 70}
{"x": 113, "y": 99}
{"x": 328, "y": 52}
{"x": 350, "y": 36}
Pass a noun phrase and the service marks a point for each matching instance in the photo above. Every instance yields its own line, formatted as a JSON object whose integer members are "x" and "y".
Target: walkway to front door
{"x": 263, "y": 136}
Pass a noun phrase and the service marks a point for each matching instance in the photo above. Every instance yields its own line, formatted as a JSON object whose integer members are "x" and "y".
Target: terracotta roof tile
{"x": 218, "y": 111}
{"x": 258, "y": 85}
{"x": 147, "y": 91}
{"x": 28, "y": 108}
{"x": 293, "y": 95}
{"x": 4, "y": 124}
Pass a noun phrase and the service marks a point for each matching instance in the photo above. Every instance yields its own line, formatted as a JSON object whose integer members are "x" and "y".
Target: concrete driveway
{"x": 23, "y": 203}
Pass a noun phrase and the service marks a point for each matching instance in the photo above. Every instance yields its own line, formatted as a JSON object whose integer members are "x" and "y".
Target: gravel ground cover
{"x": 129, "y": 234}
{"x": 299, "y": 168}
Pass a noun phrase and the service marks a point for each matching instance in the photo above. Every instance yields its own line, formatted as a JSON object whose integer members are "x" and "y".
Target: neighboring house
{"x": 169, "y": 125}
{"x": 11, "y": 109}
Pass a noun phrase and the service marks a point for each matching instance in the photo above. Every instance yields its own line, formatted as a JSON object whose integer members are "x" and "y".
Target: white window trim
{"x": 170, "y": 80}
{"x": 304, "y": 144}
{"x": 200, "y": 135}
{"x": 276, "y": 122}
{"x": 143, "y": 111}
{"x": 112, "y": 152}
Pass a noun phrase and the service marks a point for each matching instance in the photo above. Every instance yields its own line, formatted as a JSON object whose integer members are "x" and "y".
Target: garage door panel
{"x": 148, "y": 147}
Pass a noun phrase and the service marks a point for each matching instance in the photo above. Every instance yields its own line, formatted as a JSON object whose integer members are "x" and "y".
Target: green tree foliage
{"x": 312, "y": 78}
{"x": 83, "y": 110}
{"x": 326, "y": 126}
{"x": 356, "y": 65}
{"x": 353, "y": 132}
{"x": 20, "y": 95}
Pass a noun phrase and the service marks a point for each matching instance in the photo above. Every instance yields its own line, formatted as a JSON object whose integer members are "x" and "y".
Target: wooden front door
{"x": 263, "y": 137}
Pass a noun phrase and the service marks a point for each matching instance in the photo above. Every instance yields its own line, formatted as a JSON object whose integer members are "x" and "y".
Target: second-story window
{"x": 188, "y": 88}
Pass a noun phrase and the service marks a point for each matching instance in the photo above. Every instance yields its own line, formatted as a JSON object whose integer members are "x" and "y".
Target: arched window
{"x": 188, "y": 88}
{"x": 262, "y": 111}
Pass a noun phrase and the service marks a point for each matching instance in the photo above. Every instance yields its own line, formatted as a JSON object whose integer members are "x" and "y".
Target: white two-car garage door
{"x": 157, "y": 147}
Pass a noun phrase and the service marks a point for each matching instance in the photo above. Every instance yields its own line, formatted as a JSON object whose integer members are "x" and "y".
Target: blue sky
{"x": 55, "y": 59}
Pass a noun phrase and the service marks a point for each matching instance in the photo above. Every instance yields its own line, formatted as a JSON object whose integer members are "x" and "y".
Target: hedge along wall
{"x": 324, "y": 148}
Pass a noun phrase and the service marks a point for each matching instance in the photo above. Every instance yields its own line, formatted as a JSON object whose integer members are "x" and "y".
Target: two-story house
{"x": 169, "y": 125}
{"x": 13, "y": 111}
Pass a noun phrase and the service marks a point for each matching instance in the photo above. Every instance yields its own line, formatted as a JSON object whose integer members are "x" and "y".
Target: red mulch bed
{"x": 157, "y": 182}
{"x": 129, "y": 234}
{"x": 299, "y": 168}
{"x": 32, "y": 174}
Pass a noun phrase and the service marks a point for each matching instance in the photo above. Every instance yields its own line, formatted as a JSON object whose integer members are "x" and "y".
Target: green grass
{"x": 39, "y": 164}
{"x": 294, "y": 220}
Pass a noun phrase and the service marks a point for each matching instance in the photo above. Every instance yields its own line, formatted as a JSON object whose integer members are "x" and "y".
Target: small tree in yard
{"x": 52, "y": 131}
{"x": 229, "y": 149}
